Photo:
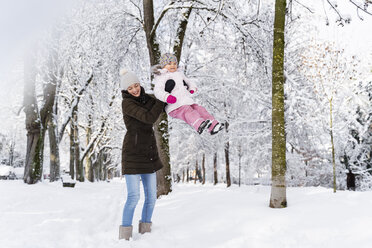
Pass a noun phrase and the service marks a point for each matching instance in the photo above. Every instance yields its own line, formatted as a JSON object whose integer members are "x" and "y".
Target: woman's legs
{"x": 133, "y": 188}
{"x": 149, "y": 188}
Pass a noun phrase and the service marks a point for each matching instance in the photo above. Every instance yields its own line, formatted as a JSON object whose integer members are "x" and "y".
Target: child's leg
{"x": 205, "y": 115}
{"x": 189, "y": 115}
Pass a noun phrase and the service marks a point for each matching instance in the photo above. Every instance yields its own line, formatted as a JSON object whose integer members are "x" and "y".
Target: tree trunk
{"x": 203, "y": 168}
{"x": 104, "y": 165}
{"x": 34, "y": 155}
{"x": 88, "y": 161}
{"x": 54, "y": 75}
{"x": 54, "y": 149}
{"x": 72, "y": 152}
{"x": 227, "y": 160}
{"x": 74, "y": 146}
{"x": 187, "y": 174}
{"x": 196, "y": 171}
{"x": 333, "y": 146}
{"x": 181, "y": 31}
{"x": 240, "y": 154}
{"x": 152, "y": 43}
{"x": 278, "y": 187}
{"x": 36, "y": 122}
{"x": 76, "y": 165}
{"x": 79, "y": 171}
{"x": 163, "y": 176}
{"x": 164, "y": 182}
{"x": 11, "y": 152}
{"x": 215, "y": 176}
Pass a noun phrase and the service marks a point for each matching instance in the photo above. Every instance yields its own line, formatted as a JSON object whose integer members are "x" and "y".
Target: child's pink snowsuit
{"x": 185, "y": 107}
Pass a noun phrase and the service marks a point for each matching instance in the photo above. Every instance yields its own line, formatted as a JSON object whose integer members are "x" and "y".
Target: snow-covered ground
{"x": 48, "y": 215}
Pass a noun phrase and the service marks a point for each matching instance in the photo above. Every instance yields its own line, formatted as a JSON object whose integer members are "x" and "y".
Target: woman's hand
{"x": 171, "y": 99}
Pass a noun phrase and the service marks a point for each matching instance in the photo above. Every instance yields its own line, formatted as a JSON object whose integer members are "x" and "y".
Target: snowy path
{"x": 47, "y": 215}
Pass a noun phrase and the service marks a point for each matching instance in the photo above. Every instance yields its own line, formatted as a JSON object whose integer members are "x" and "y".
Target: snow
{"x": 48, "y": 215}
{"x": 5, "y": 170}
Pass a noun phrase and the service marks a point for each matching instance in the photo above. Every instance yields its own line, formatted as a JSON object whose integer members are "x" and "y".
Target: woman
{"x": 140, "y": 158}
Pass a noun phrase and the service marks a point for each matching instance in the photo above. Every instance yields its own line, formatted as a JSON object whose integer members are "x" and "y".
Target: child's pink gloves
{"x": 171, "y": 99}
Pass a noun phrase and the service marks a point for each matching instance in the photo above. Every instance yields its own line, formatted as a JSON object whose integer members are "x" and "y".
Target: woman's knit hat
{"x": 166, "y": 58}
{"x": 127, "y": 78}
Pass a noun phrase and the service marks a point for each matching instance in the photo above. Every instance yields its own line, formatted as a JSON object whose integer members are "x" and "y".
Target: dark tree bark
{"x": 278, "y": 188}
{"x": 150, "y": 31}
{"x": 36, "y": 122}
{"x": 72, "y": 153}
{"x": 163, "y": 176}
{"x": 227, "y": 159}
{"x": 181, "y": 31}
{"x": 196, "y": 171}
{"x": 88, "y": 161}
{"x": 164, "y": 182}
{"x": 52, "y": 118}
{"x": 75, "y": 165}
{"x": 215, "y": 175}
{"x": 78, "y": 165}
{"x": 203, "y": 168}
{"x": 54, "y": 149}
{"x": 11, "y": 152}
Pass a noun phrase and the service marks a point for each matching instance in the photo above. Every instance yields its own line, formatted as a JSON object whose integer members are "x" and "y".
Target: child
{"x": 174, "y": 88}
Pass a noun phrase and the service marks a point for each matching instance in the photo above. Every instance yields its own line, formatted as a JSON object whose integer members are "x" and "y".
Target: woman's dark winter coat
{"x": 140, "y": 153}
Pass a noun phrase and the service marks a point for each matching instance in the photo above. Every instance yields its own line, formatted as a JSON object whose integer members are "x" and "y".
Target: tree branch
{"x": 165, "y": 10}
{"x": 73, "y": 104}
{"x": 364, "y": 8}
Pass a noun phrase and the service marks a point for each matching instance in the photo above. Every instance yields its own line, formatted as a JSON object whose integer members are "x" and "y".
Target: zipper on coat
{"x": 135, "y": 139}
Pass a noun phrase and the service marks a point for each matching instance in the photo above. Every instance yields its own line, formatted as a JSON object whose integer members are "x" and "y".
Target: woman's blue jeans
{"x": 133, "y": 188}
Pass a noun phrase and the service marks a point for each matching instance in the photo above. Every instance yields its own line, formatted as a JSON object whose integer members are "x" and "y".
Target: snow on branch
{"x": 73, "y": 105}
{"x": 163, "y": 12}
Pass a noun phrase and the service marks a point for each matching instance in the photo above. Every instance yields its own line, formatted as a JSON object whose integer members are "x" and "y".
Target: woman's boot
{"x": 144, "y": 227}
{"x": 125, "y": 232}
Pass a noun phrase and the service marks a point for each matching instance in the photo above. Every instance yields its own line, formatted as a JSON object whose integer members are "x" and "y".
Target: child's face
{"x": 171, "y": 67}
{"x": 135, "y": 89}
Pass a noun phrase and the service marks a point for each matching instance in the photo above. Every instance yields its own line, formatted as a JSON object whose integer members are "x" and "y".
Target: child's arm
{"x": 190, "y": 83}
{"x": 159, "y": 91}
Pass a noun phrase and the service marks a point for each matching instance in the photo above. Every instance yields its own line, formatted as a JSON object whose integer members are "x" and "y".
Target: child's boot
{"x": 203, "y": 125}
{"x": 218, "y": 127}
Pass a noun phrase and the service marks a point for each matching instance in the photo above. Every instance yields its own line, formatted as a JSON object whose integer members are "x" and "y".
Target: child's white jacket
{"x": 179, "y": 91}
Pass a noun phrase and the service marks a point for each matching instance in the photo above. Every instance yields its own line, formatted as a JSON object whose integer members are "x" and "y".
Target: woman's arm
{"x": 142, "y": 114}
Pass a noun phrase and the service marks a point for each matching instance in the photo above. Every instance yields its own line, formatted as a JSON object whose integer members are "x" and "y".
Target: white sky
{"x": 356, "y": 37}
{"x": 20, "y": 22}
